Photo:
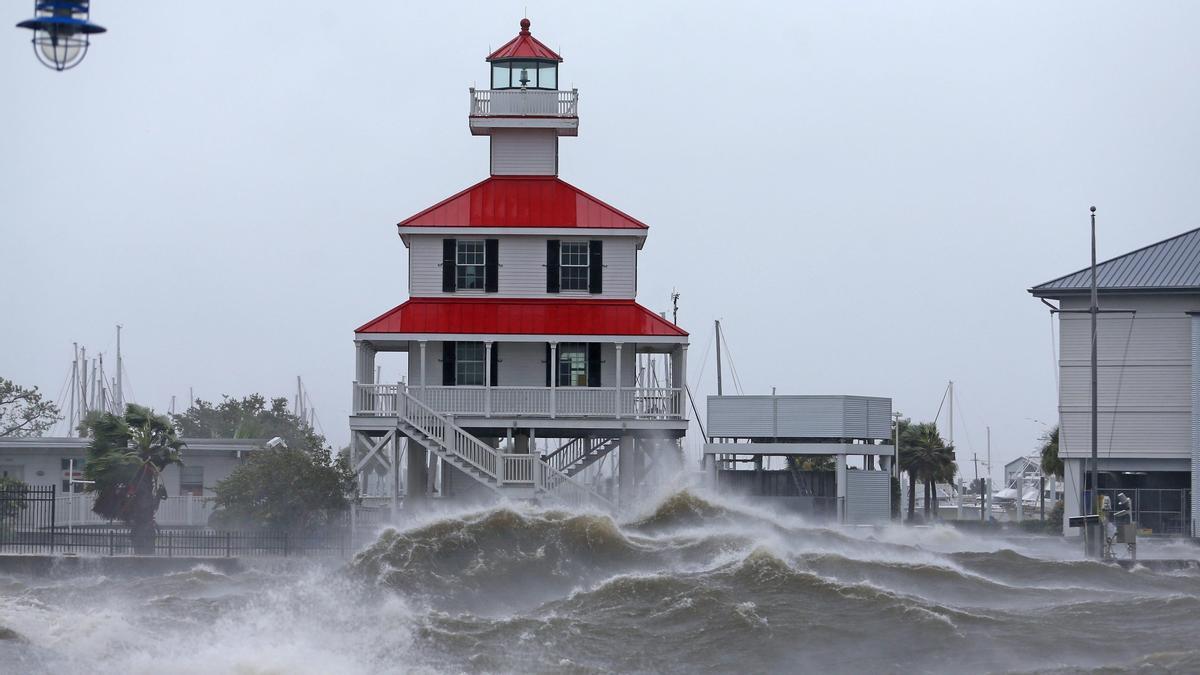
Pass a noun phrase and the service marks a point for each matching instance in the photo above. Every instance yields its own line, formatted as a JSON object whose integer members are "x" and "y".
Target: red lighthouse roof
{"x": 524, "y": 46}
{"x": 523, "y": 201}
{"x": 528, "y": 316}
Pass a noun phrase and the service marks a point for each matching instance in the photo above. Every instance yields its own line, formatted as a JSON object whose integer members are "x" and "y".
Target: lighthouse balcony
{"x": 524, "y": 108}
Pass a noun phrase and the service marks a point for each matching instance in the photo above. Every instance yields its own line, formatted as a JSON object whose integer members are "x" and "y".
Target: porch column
{"x": 364, "y": 362}
{"x": 553, "y": 378}
{"x": 679, "y": 379}
{"x": 1073, "y": 476}
{"x": 414, "y": 489}
{"x": 487, "y": 379}
{"x": 841, "y": 488}
{"x": 626, "y": 470}
{"x": 423, "y": 397}
{"x": 617, "y": 379}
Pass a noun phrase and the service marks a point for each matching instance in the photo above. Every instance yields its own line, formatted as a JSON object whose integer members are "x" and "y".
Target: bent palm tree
{"x": 126, "y": 457}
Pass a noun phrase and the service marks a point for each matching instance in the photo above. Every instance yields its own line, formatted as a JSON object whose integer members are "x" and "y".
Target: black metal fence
{"x": 1160, "y": 511}
{"x": 28, "y": 525}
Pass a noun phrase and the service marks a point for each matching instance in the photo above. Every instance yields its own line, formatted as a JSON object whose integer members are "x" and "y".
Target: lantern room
{"x": 524, "y": 63}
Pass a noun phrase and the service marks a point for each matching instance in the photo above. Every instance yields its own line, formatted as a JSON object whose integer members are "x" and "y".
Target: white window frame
{"x": 563, "y": 265}
{"x": 566, "y": 357}
{"x": 460, "y": 255}
{"x": 459, "y": 361}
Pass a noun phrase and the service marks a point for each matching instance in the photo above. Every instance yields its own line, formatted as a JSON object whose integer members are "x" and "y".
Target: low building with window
{"x": 1148, "y": 384}
{"x": 51, "y": 461}
{"x": 526, "y": 348}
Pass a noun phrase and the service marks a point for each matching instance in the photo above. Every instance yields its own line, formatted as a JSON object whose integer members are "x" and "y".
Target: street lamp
{"x": 60, "y": 32}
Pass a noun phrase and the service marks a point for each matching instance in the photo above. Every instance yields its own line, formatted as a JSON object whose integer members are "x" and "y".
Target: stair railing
{"x": 453, "y": 438}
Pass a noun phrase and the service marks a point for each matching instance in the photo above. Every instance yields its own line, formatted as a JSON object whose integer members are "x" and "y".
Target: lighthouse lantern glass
{"x": 536, "y": 75}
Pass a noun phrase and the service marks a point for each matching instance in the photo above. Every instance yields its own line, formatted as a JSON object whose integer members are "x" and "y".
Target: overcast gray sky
{"x": 861, "y": 191}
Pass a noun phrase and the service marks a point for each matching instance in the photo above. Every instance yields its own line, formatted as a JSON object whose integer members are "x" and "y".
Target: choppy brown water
{"x": 692, "y": 585}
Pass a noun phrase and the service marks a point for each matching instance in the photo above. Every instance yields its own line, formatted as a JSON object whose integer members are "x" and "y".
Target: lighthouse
{"x": 529, "y": 359}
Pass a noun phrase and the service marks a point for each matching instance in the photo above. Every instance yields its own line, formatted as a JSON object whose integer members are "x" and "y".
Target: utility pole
{"x": 975, "y": 461}
{"x": 1093, "y": 543}
{"x": 988, "y": 482}
{"x": 717, "y": 328}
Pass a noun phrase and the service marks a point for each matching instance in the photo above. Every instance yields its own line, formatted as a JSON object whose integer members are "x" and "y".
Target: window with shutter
{"x": 552, "y": 251}
{"x": 449, "y": 264}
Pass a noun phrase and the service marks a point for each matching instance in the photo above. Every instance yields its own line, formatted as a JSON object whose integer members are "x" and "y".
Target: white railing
{"x": 374, "y": 399}
{"x": 452, "y": 438}
{"x": 183, "y": 510}
{"x": 566, "y": 489}
{"x": 524, "y": 102}
{"x": 661, "y": 403}
{"x": 520, "y": 400}
{"x": 515, "y": 468}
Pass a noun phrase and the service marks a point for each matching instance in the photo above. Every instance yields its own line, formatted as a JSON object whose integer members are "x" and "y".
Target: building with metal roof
{"x": 1148, "y": 344}
{"x": 1169, "y": 266}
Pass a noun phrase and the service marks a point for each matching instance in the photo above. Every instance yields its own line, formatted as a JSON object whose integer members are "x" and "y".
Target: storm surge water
{"x": 691, "y": 584}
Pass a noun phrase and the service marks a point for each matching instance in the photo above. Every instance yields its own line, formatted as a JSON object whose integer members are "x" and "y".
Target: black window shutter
{"x": 449, "y": 265}
{"x": 548, "y": 364}
{"x": 448, "y": 356}
{"x": 491, "y": 270}
{"x": 593, "y": 364}
{"x": 495, "y": 364}
{"x": 552, "y": 266}
{"x": 595, "y": 266}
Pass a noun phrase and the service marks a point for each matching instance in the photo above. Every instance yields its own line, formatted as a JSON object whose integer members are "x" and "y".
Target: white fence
{"x": 524, "y": 102}
{"x": 76, "y": 510}
{"x": 657, "y": 403}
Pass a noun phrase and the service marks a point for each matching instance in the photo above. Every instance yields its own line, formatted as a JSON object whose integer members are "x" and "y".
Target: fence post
{"x": 285, "y": 544}
{"x": 228, "y": 544}
{"x": 112, "y": 542}
{"x": 53, "y": 504}
{"x": 170, "y": 544}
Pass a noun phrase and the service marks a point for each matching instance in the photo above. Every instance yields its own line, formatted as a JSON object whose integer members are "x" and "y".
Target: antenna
{"x": 119, "y": 399}
{"x": 674, "y": 306}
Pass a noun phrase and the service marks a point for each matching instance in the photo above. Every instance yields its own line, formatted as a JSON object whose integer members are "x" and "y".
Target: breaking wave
{"x": 693, "y": 583}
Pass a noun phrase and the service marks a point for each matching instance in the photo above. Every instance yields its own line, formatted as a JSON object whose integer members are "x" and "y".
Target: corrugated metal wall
{"x": 523, "y": 267}
{"x": 1145, "y": 380}
{"x": 868, "y": 497}
{"x": 799, "y": 417}
{"x": 524, "y": 152}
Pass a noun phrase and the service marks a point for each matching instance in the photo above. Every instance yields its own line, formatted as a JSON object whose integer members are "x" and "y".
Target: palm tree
{"x": 925, "y": 457}
{"x": 1051, "y": 464}
{"x": 126, "y": 457}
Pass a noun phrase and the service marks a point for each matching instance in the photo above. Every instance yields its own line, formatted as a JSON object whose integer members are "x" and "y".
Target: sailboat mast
{"x": 119, "y": 397}
{"x": 717, "y": 329}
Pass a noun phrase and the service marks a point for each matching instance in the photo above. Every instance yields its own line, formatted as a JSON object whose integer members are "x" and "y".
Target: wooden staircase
{"x": 516, "y": 476}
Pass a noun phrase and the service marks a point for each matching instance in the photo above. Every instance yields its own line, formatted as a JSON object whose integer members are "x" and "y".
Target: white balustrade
{"x": 524, "y": 102}
{"x": 182, "y": 510}
{"x": 659, "y": 403}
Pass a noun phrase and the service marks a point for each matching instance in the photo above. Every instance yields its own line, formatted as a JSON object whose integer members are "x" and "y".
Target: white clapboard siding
{"x": 523, "y": 364}
{"x": 524, "y": 152}
{"x": 1122, "y": 338}
{"x": 523, "y": 268}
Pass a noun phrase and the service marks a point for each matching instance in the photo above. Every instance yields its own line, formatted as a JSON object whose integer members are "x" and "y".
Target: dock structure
{"x": 827, "y": 456}
{"x": 529, "y": 359}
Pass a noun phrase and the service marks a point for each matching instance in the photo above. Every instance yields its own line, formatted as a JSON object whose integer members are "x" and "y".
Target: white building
{"x": 48, "y": 461}
{"x": 1149, "y": 382}
{"x": 522, "y": 330}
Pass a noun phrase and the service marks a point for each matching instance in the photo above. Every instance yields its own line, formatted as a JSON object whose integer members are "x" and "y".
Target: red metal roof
{"x": 523, "y": 201}
{"x": 509, "y": 316}
{"x": 524, "y": 46}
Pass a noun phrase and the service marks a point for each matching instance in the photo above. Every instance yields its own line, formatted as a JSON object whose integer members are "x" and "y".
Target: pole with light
{"x": 61, "y": 31}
